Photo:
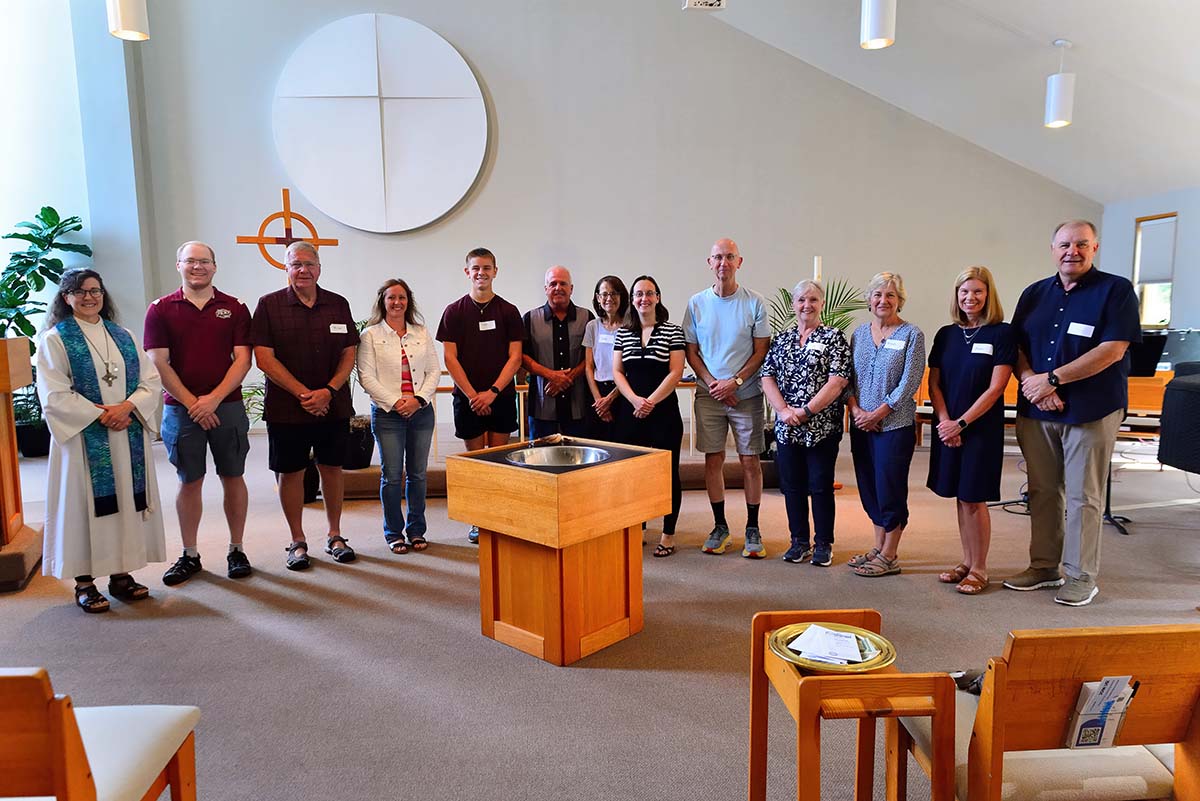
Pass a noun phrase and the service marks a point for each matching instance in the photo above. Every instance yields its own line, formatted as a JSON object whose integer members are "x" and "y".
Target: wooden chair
{"x": 1003, "y": 737}
{"x": 115, "y": 753}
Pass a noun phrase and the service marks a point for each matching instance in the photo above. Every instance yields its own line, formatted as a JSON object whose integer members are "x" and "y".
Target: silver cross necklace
{"x": 110, "y": 373}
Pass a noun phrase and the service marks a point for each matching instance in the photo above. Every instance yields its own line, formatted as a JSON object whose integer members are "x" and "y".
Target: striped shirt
{"x": 889, "y": 373}
{"x": 665, "y": 338}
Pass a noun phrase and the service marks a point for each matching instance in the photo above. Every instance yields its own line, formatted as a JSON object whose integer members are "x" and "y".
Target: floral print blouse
{"x": 800, "y": 371}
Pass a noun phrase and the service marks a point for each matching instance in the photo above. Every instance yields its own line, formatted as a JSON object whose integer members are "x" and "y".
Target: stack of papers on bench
{"x": 820, "y": 644}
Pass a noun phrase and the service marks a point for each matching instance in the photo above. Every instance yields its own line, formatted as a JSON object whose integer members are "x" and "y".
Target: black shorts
{"x": 290, "y": 444}
{"x": 502, "y": 420}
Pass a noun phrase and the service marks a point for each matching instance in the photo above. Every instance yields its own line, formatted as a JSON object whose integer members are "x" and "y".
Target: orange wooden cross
{"x": 287, "y": 215}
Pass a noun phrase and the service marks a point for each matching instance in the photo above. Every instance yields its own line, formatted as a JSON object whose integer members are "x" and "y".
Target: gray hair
{"x": 883, "y": 279}
{"x": 1088, "y": 223}
{"x": 808, "y": 283}
{"x": 297, "y": 246}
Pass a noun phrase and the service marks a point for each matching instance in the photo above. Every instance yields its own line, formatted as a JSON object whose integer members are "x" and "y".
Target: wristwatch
{"x": 493, "y": 389}
{"x": 1052, "y": 378}
{"x": 962, "y": 423}
{"x": 738, "y": 381}
{"x": 421, "y": 402}
{"x": 807, "y": 411}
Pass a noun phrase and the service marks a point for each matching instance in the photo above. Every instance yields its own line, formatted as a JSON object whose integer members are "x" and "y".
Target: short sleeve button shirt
{"x": 200, "y": 340}
{"x": 800, "y": 372}
{"x": 1055, "y": 326}
{"x": 309, "y": 342}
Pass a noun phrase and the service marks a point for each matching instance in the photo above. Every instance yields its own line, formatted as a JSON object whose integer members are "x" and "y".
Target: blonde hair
{"x": 993, "y": 312}
{"x": 883, "y": 279}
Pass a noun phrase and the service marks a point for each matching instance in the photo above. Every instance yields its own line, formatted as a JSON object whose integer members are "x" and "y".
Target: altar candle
{"x": 816, "y": 268}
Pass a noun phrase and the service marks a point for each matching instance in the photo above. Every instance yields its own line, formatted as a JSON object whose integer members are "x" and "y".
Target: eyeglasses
{"x": 95, "y": 292}
{"x": 197, "y": 262}
{"x": 307, "y": 265}
{"x": 649, "y": 293}
{"x": 724, "y": 257}
{"x": 608, "y": 295}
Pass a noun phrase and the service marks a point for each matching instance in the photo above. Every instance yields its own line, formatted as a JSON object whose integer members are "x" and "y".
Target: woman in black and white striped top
{"x": 647, "y": 366}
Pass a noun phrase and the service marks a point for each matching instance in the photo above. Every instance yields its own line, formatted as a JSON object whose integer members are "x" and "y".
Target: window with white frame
{"x": 1154, "y": 267}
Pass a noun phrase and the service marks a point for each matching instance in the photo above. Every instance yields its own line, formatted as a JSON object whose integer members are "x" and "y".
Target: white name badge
{"x": 487, "y": 325}
{"x": 982, "y": 347}
{"x": 893, "y": 344}
{"x": 1080, "y": 329}
{"x": 606, "y": 339}
{"x": 817, "y": 346}
{"x": 337, "y": 328}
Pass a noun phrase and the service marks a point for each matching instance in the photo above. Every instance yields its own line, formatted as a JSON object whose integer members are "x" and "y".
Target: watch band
{"x": 1052, "y": 378}
{"x": 332, "y": 391}
{"x": 807, "y": 411}
{"x": 738, "y": 381}
{"x": 962, "y": 423}
{"x": 493, "y": 389}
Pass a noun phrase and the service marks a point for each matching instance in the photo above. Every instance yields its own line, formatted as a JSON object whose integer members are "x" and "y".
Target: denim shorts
{"x": 187, "y": 443}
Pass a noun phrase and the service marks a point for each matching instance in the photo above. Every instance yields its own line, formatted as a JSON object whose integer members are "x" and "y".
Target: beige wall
{"x": 627, "y": 136}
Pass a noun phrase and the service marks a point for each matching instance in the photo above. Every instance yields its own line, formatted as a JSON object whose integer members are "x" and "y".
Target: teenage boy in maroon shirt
{"x": 199, "y": 339}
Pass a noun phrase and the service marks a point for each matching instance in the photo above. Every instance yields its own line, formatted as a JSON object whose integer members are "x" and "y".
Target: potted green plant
{"x": 842, "y": 301}
{"x": 29, "y": 271}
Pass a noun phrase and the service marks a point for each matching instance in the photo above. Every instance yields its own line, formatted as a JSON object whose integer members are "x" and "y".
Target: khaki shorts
{"x": 714, "y": 420}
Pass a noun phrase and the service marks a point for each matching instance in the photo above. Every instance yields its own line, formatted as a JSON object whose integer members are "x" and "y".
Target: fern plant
{"x": 842, "y": 301}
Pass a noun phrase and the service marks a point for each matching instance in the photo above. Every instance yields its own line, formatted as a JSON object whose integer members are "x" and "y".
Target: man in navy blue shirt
{"x": 1073, "y": 330}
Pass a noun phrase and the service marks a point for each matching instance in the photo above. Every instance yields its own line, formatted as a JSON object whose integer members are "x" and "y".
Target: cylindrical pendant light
{"x": 1060, "y": 92}
{"x": 878, "y": 28}
{"x": 127, "y": 19}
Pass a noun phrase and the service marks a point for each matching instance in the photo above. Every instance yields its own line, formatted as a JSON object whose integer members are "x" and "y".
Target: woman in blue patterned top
{"x": 647, "y": 366}
{"x": 889, "y": 361}
{"x": 969, "y": 367}
{"x": 803, "y": 377}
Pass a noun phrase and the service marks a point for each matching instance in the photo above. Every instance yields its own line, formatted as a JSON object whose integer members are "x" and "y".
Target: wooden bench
{"x": 1004, "y": 736}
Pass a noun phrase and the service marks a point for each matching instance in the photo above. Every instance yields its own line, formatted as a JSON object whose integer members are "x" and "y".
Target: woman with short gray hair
{"x": 889, "y": 362}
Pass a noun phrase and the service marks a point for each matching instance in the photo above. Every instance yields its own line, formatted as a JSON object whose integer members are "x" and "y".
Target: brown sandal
{"x": 972, "y": 584}
{"x": 954, "y": 575}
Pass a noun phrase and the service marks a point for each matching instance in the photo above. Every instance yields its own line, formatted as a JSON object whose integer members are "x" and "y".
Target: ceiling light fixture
{"x": 1060, "y": 91}
{"x": 128, "y": 20}
{"x": 878, "y": 24}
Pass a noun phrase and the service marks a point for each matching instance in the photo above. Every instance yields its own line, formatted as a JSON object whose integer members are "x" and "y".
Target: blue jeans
{"x": 806, "y": 472}
{"x": 403, "y": 442}
{"x": 881, "y": 462}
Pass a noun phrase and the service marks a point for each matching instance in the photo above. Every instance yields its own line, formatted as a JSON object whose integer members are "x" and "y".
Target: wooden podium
{"x": 560, "y": 553}
{"x": 20, "y": 546}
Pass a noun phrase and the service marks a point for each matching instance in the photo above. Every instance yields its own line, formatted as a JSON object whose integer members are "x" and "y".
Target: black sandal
{"x": 125, "y": 588}
{"x": 297, "y": 561}
{"x": 398, "y": 547}
{"x": 342, "y": 553}
{"x": 90, "y": 600}
{"x": 418, "y": 543}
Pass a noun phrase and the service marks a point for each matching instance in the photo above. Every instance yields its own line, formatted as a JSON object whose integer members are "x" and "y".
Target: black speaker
{"x": 1179, "y": 435}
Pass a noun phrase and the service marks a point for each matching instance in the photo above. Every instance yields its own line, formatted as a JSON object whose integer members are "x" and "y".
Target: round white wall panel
{"x": 380, "y": 123}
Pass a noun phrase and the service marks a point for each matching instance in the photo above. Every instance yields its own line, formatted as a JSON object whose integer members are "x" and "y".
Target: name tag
{"x": 982, "y": 347}
{"x": 337, "y": 328}
{"x": 606, "y": 339}
{"x": 893, "y": 344}
{"x": 487, "y": 325}
{"x": 817, "y": 346}
{"x": 1080, "y": 329}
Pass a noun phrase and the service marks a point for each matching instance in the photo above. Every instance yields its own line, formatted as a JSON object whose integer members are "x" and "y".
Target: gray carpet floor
{"x": 372, "y": 681}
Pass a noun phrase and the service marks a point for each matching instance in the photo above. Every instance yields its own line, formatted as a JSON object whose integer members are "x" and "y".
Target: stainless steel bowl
{"x": 558, "y": 456}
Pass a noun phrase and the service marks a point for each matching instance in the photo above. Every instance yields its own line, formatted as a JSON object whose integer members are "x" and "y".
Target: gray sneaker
{"x": 754, "y": 548}
{"x": 1077, "y": 592}
{"x": 718, "y": 540}
{"x": 1034, "y": 578}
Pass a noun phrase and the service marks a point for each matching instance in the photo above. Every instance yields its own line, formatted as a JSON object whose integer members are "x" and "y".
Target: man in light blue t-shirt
{"x": 727, "y": 336}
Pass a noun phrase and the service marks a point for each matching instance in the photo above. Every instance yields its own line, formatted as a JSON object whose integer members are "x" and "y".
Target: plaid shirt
{"x": 309, "y": 342}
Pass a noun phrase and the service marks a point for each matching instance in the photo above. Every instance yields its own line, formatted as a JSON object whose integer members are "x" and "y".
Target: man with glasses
{"x": 553, "y": 356}
{"x": 1073, "y": 333}
{"x": 305, "y": 341}
{"x": 727, "y": 336}
{"x": 199, "y": 339}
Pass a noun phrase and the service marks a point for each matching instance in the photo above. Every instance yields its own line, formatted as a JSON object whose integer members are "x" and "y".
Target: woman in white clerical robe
{"x": 102, "y": 399}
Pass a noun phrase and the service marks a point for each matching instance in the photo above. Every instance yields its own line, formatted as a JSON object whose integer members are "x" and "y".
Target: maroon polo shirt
{"x": 482, "y": 337}
{"x": 200, "y": 341}
{"x": 309, "y": 343}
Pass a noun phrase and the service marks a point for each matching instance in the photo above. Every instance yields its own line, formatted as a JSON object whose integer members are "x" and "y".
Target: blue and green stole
{"x": 95, "y": 436}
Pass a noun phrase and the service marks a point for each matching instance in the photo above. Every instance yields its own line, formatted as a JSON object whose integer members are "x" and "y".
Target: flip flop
{"x": 398, "y": 547}
{"x": 418, "y": 543}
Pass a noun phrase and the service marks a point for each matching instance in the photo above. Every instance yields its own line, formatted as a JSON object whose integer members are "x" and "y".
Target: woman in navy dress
{"x": 647, "y": 366}
{"x": 969, "y": 367}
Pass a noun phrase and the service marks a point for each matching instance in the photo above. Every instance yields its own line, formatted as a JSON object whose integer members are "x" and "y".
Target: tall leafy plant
{"x": 842, "y": 301}
{"x": 30, "y": 270}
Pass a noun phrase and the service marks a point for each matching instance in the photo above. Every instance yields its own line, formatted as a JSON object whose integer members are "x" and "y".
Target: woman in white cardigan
{"x": 398, "y": 367}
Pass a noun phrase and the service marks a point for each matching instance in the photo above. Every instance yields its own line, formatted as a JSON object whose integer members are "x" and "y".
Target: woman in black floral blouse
{"x": 803, "y": 377}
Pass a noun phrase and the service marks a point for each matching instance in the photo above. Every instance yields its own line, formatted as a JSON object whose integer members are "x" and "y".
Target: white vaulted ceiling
{"x": 977, "y": 68}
